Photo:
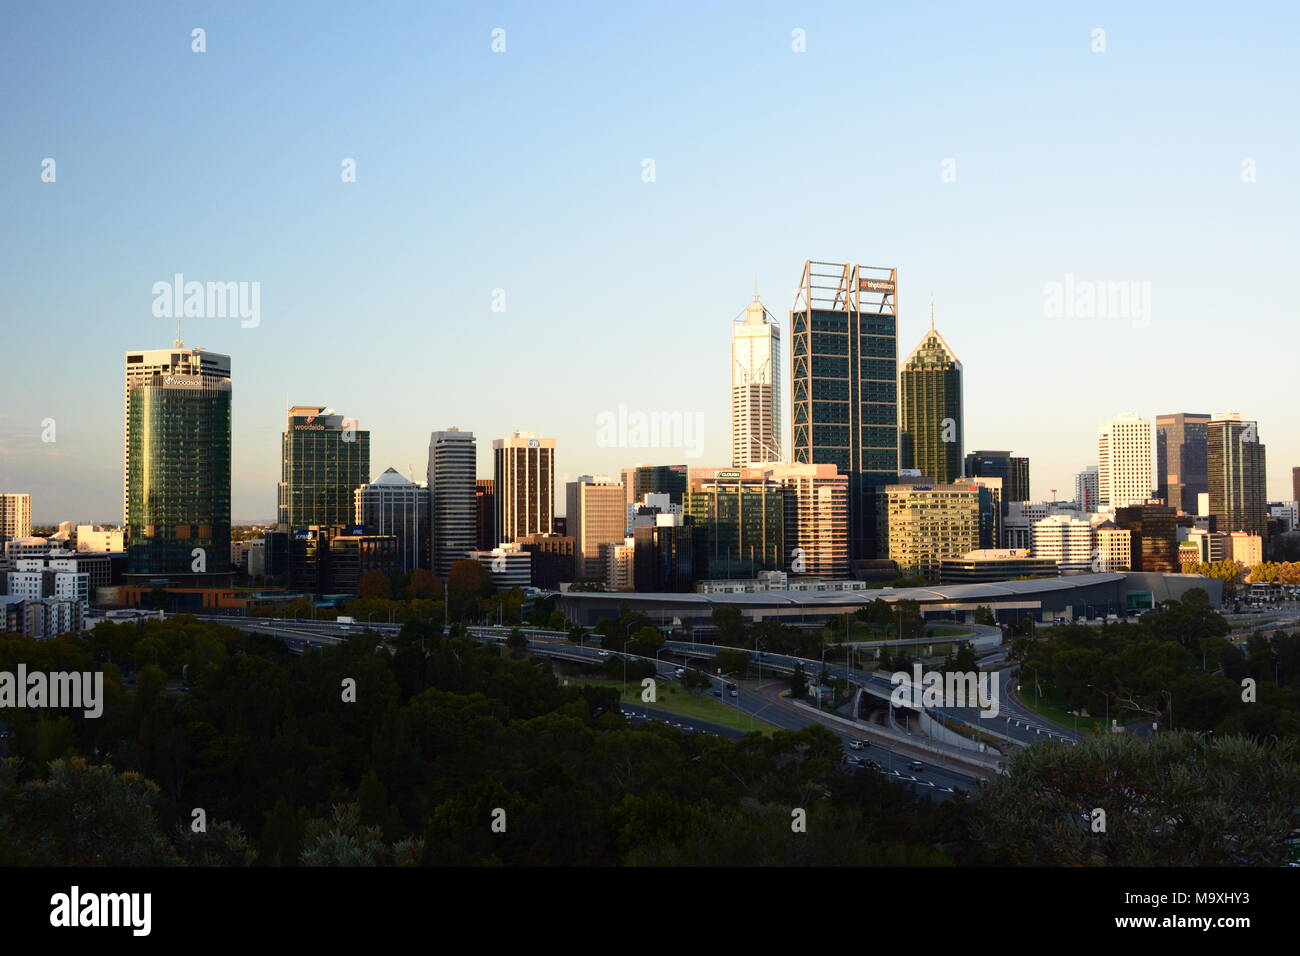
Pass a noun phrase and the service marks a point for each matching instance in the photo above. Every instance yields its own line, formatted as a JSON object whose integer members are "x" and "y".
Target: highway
{"x": 940, "y": 777}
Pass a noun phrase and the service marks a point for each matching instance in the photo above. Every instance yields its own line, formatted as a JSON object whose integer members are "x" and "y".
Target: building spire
{"x": 931, "y": 311}
{"x": 178, "y": 343}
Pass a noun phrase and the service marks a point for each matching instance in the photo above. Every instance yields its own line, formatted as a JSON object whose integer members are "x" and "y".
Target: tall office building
{"x": 394, "y": 505}
{"x": 143, "y": 366}
{"x": 927, "y": 523}
{"x": 738, "y": 525}
{"x": 1181, "y": 464}
{"x": 755, "y": 387}
{"x": 1153, "y": 531}
{"x": 452, "y": 495}
{"x": 595, "y": 517}
{"x": 1065, "y": 539}
{"x": 930, "y": 405}
{"x": 485, "y": 513}
{"x": 1235, "y": 459}
{"x": 816, "y": 518}
{"x": 1124, "y": 461}
{"x": 15, "y": 515}
{"x": 1014, "y": 472}
{"x": 844, "y": 386}
{"x": 1295, "y": 484}
{"x": 1086, "y": 493}
{"x": 177, "y": 464}
{"x": 524, "y": 475}
{"x": 324, "y": 459}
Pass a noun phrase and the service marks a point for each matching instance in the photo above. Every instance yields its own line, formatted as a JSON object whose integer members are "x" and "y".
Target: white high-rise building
{"x": 1086, "y": 489}
{"x": 453, "y": 509}
{"x": 15, "y": 515}
{"x": 755, "y": 387}
{"x": 524, "y": 474}
{"x": 1065, "y": 539}
{"x": 1125, "y": 471}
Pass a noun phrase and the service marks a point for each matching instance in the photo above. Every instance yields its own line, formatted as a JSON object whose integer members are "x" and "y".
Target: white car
{"x": 602, "y": 653}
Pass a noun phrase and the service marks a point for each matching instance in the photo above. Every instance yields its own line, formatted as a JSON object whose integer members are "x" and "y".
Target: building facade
{"x": 178, "y": 469}
{"x": 1013, "y": 470}
{"x": 15, "y": 515}
{"x": 595, "y": 516}
{"x": 1235, "y": 456}
{"x": 755, "y": 387}
{"x": 324, "y": 459}
{"x": 844, "y": 386}
{"x": 930, "y": 437}
{"x": 739, "y": 526}
{"x": 1124, "y": 461}
{"x": 1181, "y": 463}
{"x": 927, "y": 523}
{"x": 1065, "y": 539}
{"x": 395, "y": 505}
{"x": 453, "y": 497}
{"x": 1154, "y": 532}
{"x": 1086, "y": 491}
{"x": 524, "y": 483}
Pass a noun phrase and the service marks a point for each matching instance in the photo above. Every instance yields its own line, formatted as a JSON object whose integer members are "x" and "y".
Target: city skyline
{"x": 426, "y": 247}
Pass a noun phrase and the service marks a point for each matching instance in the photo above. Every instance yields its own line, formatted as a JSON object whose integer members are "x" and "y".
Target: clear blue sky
{"x": 523, "y": 171}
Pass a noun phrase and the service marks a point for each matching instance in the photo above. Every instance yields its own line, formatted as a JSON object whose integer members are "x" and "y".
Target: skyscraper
{"x": 524, "y": 467}
{"x": 1180, "y": 459}
{"x": 1295, "y": 484}
{"x": 1153, "y": 534}
{"x": 177, "y": 464}
{"x": 1086, "y": 489}
{"x": 816, "y": 519}
{"x": 1124, "y": 461}
{"x": 739, "y": 526}
{"x": 1235, "y": 459}
{"x": 394, "y": 505}
{"x": 930, "y": 404}
{"x": 324, "y": 460}
{"x": 1014, "y": 472}
{"x": 596, "y": 518}
{"x": 141, "y": 367}
{"x": 755, "y": 387}
{"x": 844, "y": 386}
{"x": 452, "y": 493}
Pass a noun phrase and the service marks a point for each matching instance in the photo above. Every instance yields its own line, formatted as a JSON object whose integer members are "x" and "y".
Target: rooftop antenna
{"x": 931, "y": 311}
{"x": 178, "y": 343}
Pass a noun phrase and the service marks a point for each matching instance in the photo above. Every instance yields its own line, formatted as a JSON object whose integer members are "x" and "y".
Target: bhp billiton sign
{"x": 876, "y": 285}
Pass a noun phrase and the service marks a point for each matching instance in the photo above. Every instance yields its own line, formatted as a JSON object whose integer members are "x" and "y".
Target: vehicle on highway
{"x": 915, "y": 765}
{"x": 734, "y": 693}
{"x": 855, "y": 744}
{"x": 680, "y": 672}
{"x": 602, "y": 653}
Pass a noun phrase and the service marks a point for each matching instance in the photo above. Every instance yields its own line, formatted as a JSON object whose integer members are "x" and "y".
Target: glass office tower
{"x": 930, "y": 436}
{"x": 844, "y": 386}
{"x": 178, "y": 478}
{"x": 1181, "y": 463}
{"x": 325, "y": 459}
{"x": 739, "y": 527}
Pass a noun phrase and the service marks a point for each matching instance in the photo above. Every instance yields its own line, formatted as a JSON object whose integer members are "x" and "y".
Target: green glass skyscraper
{"x": 178, "y": 466}
{"x": 930, "y": 424}
{"x": 844, "y": 386}
{"x": 739, "y": 527}
{"x": 325, "y": 459}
